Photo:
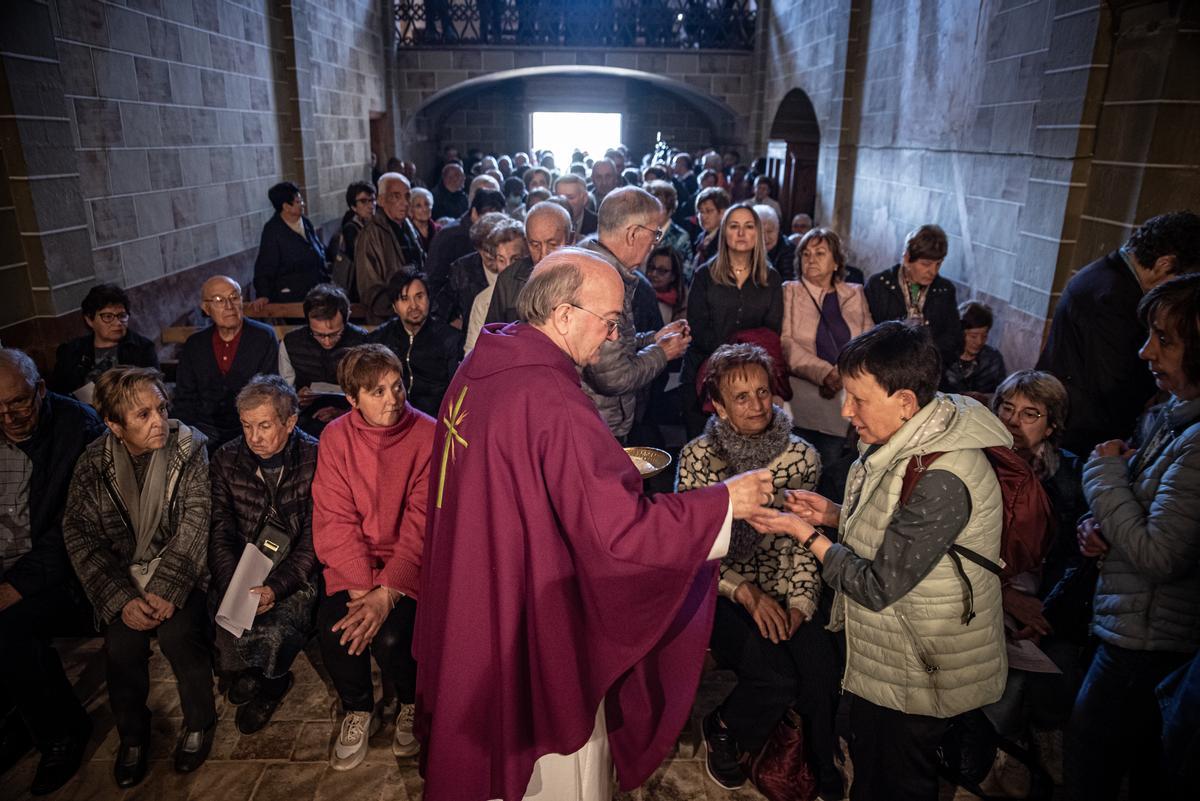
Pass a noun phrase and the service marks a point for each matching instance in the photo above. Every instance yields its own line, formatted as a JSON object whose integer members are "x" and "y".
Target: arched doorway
{"x": 792, "y": 155}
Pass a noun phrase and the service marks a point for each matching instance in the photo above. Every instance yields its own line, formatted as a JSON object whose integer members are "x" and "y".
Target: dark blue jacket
{"x": 203, "y": 397}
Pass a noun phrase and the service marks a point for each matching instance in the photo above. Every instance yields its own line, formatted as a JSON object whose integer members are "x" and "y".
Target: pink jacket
{"x": 369, "y": 502}
{"x": 800, "y": 318}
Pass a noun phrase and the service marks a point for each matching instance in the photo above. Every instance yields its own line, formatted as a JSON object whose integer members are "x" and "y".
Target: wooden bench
{"x": 295, "y": 311}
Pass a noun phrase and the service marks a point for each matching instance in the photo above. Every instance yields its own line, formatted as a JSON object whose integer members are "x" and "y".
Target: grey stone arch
{"x": 495, "y": 108}
{"x": 794, "y": 149}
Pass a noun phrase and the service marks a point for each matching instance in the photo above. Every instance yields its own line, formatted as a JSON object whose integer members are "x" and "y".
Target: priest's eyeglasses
{"x": 1026, "y": 414}
{"x": 612, "y": 324}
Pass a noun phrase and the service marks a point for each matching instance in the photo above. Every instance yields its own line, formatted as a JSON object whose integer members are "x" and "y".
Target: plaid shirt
{"x": 16, "y": 539}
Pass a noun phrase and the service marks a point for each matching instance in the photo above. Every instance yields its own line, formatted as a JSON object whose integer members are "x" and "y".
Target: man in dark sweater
{"x": 42, "y": 434}
{"x": 217, "y": 361}
{"x": 913, "y": 290}
{"x": 291, "y": 258}
{"x": 454, "y": 241}
{"x": 429, "y": 350}
{"x": 310, "y": 355}
{"x": 449, "y": 197}
{"x": 1095, "y": 335}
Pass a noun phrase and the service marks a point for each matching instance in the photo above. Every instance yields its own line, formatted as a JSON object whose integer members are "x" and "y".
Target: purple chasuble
{"x": 550, "y": 584}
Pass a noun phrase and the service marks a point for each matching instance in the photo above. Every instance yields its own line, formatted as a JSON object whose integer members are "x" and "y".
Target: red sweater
{"x": 369, "y": 501}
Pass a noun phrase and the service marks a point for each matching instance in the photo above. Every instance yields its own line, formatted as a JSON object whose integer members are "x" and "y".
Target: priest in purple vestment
{"x": 564, "y": 616}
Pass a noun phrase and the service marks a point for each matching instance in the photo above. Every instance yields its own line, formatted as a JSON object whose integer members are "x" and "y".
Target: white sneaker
{"x": 351, "y": 747}
{"x": 404, "y": 744}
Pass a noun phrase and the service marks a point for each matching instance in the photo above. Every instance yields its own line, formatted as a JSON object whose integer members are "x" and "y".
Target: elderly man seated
{"x": 261, "y": 495}
{"x": 387, "y": 244}
{"x": 429, "y": 350}
{"x": 217, "y": 361}
{"x": 309, "y": 355}
{"x": 41, "y": 437}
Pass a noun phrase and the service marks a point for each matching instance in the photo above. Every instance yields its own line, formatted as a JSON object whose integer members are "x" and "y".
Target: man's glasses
{"x": 332, "y": 336}
{"x": 612, "y": 324}
{"x": 112, "y": 317}
{"x": 18, "y": 408}
{"x": 658, "y": 232}
{"x": 1026, "y": 415}
{"x": 225, "y": 300}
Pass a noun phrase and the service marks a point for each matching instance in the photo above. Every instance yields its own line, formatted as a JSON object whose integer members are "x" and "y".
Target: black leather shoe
{"x": 193, "y": 749}
{"x": 255, "y": 715}
{"x": 60, "y": 760}
{"x": 130, "y": 768}
{"x": 721, "y": 760}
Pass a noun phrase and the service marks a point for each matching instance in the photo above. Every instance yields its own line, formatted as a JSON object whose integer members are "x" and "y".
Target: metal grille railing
{"x": 684, "y": 24}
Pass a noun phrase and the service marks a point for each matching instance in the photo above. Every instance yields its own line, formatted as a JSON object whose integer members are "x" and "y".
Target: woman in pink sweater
{"x": 369, "y": 502}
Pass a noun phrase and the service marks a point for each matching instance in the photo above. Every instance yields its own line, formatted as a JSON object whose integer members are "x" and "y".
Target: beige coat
{"x": 807, "y": 370}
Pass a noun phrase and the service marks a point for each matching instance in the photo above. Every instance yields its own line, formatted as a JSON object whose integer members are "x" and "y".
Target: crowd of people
{"x": 840, "y": 446}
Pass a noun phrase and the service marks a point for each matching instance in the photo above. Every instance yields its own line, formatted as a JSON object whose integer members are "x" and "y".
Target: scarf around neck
{"x": 744, "y": 453}
{"x": 144, "y": 504}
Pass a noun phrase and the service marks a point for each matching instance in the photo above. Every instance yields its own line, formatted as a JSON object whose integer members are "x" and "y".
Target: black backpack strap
{"x": 957, "y": 553}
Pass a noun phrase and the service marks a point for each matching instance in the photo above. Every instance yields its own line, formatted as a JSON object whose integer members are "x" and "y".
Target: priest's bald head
{"x": 576, "y": 299}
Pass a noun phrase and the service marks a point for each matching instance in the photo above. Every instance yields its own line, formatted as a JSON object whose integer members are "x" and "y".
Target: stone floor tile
{"x": 225, "y": 781}
{"x": 275, "y": 741}
{"x": 314, "y": 742}
{"x": 94, "y": 782}
{"x": 365, "y": 782}
{"x": 226, "y": 739}
{"x": 289, "y": 782}
{"x": 676, "y": 781}
{"x": 308, "y": 701}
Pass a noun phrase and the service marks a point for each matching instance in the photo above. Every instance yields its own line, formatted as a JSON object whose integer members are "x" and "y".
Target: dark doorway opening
{"x": 792, "y": 155}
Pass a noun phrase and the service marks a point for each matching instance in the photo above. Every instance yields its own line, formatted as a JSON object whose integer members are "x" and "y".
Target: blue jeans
{"x": 1116, "y": 728}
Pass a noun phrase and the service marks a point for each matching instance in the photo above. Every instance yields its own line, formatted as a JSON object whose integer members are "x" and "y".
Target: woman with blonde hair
{"x": 734, "y": 292}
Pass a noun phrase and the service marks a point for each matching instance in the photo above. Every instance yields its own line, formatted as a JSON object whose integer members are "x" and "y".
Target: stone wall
{"x": 967, "y": 116}
{"x": 141, "y": 139}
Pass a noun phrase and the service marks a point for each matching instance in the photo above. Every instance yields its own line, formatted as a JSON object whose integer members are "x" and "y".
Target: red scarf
{"x": 669, "y": 297}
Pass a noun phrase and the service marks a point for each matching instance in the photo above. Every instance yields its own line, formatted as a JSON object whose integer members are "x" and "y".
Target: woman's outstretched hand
{"x": 812, "y": 508}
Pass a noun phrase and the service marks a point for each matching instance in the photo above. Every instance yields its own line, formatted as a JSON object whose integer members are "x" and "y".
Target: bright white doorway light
{"x": 561, "y": 132}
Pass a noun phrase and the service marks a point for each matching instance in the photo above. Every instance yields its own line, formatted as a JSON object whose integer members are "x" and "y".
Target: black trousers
{"x": 1116, "y": 725}
{"x": 31, "y": 672}
{"x": 894, "y": 754}
{"x": 391, "y": 647}
{"x": 802, "y": 673}
{"x": 184, "y": 641}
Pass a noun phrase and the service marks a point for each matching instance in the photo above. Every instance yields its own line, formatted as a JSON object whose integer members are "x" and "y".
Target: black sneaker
{"x": 721, "y": 759}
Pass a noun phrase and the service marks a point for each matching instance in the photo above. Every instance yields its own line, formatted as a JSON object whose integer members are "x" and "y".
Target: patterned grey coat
{"x": 101, "y": 542}
{"x": 779, "y": 565}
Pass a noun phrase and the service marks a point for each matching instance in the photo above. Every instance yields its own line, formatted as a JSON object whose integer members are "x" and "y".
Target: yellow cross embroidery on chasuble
{"x": 453, "y": 420}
